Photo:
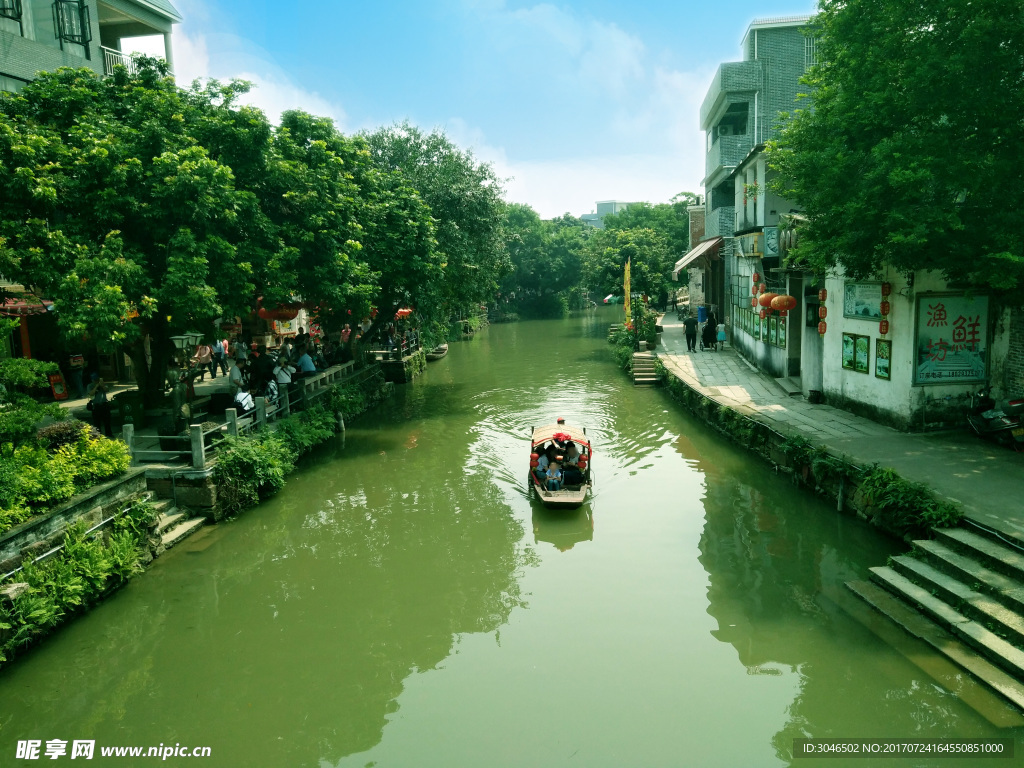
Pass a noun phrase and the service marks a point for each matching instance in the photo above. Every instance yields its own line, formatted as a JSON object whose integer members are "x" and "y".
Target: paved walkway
{"x": 987, "y": 479}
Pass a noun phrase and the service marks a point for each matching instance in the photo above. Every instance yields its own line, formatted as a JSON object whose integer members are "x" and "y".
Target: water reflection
{"x": 563, "y": 528}
{"x": 777, "y": 564}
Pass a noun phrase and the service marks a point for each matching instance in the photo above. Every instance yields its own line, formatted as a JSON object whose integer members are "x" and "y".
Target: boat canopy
{"x": 560, "y": 432}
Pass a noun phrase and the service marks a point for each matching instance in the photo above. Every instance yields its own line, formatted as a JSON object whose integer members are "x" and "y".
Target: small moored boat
{"x": 570, "y": 448}
{"x": 437, "y": 352}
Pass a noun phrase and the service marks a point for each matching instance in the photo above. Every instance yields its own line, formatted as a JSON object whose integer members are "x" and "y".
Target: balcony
{"x": 112, "y": 58}
{"x": 732, "y": 77}
{"x": 719, "y": 222}
{"x": 726, "y": 152}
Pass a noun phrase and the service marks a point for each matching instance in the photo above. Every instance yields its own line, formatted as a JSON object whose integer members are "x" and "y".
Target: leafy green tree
{"x": 546, "y": 259}
{"x": 465, "y": 200}
{"x": 907, "y": 154}
{"x": 648, "y": 254}
{"x": 114, "y": 208}
{"x": 671, "y": 220}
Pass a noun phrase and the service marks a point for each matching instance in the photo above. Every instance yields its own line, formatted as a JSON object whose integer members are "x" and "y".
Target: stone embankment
{"x": 960, "y": 590}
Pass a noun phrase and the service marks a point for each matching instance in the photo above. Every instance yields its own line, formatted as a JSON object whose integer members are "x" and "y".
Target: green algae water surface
{"x": 404, "y": 602}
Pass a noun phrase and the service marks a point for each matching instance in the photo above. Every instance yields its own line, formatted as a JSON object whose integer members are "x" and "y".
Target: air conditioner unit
{"x": 725, "y": 130}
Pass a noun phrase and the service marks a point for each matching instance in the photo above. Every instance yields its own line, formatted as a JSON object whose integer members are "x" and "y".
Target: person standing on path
{"x": 690, "y": 326}
{"x": 100, "y": 406}
{"x": 204, "y": 359}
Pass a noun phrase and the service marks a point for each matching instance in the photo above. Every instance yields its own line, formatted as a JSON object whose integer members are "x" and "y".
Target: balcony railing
{"x": 113, "y": 58}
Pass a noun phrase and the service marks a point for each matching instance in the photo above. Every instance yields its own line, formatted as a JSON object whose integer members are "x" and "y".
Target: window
{"x": 810, "y": 54}
{"x": 72, "y": 23}
{"x": 10, "y": 12}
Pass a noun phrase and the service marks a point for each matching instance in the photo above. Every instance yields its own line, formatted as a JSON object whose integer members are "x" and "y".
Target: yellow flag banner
{"x": 625, "y": 300}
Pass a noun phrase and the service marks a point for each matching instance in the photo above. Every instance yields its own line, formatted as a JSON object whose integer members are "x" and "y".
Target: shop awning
{"x": 21, "y": 306}
{"x": 708, "y": 246}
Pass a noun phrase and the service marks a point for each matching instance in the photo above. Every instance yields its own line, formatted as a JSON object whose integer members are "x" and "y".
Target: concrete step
{"x": 166, "y": 521}
{"x": 790, "y": 386}
{"x": 163, "y": 506}
{"x": 943, "y": 642}
{"x": 980, "y": 607}
{"x": 1006, "y": 590}
{"x": 984, "y": 641}
{"x": 181, "y": 531}
{"x": 1007, "y": 561}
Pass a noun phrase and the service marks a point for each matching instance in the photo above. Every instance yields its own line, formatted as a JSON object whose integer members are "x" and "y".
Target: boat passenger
{"x": 554, "y": 477}
{"x": 572, "y": 454}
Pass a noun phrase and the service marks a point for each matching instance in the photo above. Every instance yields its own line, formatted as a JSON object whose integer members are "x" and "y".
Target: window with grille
{"x": 810, "y": 54}
{"x": 71, "y": 22}
{"x": 10, "y": 9}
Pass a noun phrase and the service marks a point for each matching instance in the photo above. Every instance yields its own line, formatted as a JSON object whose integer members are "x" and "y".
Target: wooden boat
{"x": 577, "y": 482}
{"x": 437, "y": 352}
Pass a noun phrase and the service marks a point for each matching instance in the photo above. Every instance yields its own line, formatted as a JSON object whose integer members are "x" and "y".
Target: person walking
{"x": 690, "y": 327}
{"x": 100, "y": 406}
{"x": 204, "y": 359}
{"x": 220, "y": 357}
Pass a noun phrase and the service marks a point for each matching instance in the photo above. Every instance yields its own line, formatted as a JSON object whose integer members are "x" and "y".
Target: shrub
{"x": 33, "y": 479}
{"x": 74, "y": 578}
{"x": 306, "y": 430}
{"x": 249, "y": 469}
{"x": 61, "y": 433}
{"x": 904, "y": 506}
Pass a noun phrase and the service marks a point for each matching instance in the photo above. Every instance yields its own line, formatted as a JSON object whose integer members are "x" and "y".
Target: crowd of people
{"x": 558, "y": 465}
{"x": 261, "y": 372}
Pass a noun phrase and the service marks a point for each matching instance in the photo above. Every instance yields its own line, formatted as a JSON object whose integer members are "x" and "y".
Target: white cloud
{"x": 573, "y": 185}
{"x": 225, "y": 57}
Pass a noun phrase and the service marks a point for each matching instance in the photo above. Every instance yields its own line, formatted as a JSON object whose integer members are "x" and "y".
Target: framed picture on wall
{"x": 862, "y": 354}
{"x": 862, "y": 301}
{"x": 848, "y": 351}
{"x": 757, "y": 327}
{"x": 764, "y": 328}
{"x": 883, "y": 354}
{"x": 782, "y": 332}
{"x": 773, "y": 330}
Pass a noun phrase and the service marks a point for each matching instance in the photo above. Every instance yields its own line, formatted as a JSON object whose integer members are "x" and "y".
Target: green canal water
{"x": 405, "y": 602}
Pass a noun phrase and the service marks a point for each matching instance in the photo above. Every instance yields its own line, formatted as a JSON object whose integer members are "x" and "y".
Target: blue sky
{"x": 573, "y": 102}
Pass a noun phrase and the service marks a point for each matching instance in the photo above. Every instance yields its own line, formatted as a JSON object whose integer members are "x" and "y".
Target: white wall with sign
{"x": 952, "y": 339}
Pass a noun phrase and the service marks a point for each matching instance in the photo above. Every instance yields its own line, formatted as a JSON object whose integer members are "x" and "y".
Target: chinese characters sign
{"x": 952, "y": 339}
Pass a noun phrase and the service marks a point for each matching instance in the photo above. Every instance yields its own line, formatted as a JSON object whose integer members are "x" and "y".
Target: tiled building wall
{"x": 781, "y": 53}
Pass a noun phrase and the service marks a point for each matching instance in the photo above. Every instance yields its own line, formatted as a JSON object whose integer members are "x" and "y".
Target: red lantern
{"x": 753, "y": 290}
{"x": 763, "y": 314}
{"x": 783, "y": 304}
{"x": 885, "y": 307}
{"x": 823, "y": 294}
{"x": 765, "y": 299}
{"x": 756, "y": 277}
{"x": 886, "y": 289}
{"x": 883, "y": 327}
{"x": 822, "y": 327}
{"x": 753, "y": 302}
{"x": 761, "y": 288}
{"x": 822, "y": 312}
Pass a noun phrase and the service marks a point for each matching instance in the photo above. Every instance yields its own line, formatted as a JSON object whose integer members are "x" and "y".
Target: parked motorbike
{"x": 1002, "y": 422}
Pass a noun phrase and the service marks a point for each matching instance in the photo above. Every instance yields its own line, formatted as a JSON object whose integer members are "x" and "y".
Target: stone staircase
{"x": 966, "y": 592}
{"x": 174, "y": 524}
{"x": 644, "y": 374}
